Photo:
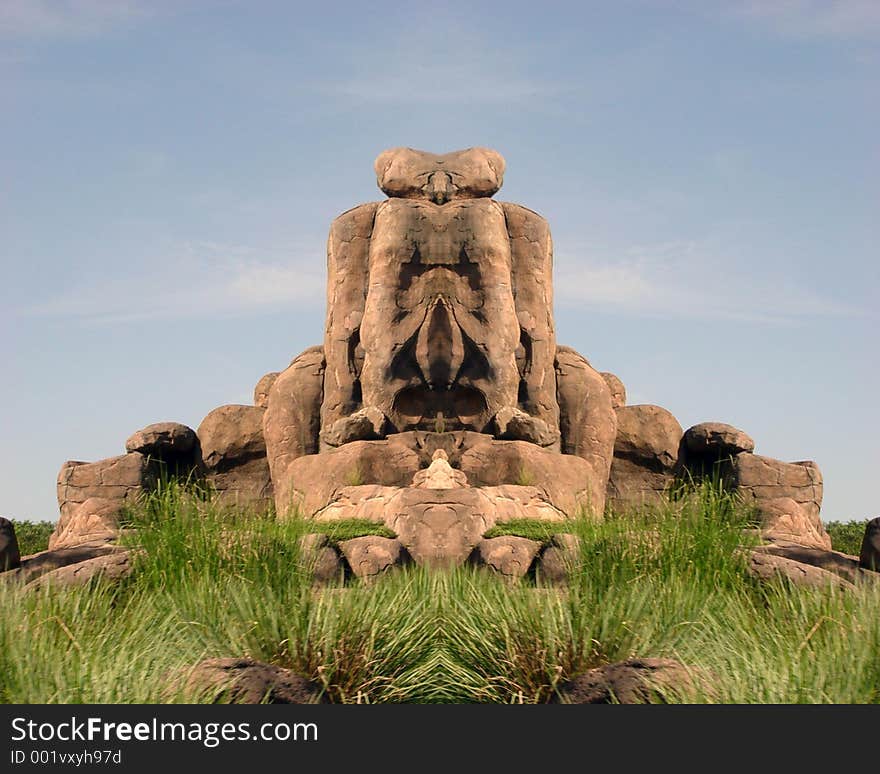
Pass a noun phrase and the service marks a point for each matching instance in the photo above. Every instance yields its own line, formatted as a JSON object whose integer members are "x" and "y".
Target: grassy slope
{"x": 660, "y": 583}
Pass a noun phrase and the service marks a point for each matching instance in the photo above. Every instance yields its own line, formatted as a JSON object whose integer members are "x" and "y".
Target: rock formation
{"x": 439, "y": 402}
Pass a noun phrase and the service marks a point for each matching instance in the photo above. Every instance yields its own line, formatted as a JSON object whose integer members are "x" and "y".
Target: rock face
{"x": 717, "y": 440}
{"x": 94, "y": 521}
{"x": 372, "y": 555}
{"x": 616, "y": 388}
{"x": 120, "y": 479}
{"x": 234, "y": 455}
{"x": 786, "y": 496}
{"x": 10, "y": 557}
{"x": 508, "y": 555}
{"x": 766, "y": 566}
{"x": 109, "y": 567}
{"x": 646, "y": 455}
{"x": 869, "y": 556}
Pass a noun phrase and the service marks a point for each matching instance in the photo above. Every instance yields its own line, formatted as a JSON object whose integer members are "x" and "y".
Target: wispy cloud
{"x": 201, "y": 281}
{"x": 66, "y": 18}
{"x": 814, "y": 18}
{"x": 684, "y": 280}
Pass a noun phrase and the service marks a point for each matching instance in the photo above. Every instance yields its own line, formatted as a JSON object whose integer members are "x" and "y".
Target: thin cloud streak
{"x": 67, "y": 18}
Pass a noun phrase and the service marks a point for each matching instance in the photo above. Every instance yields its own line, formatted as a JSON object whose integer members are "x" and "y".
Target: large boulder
{"x": 10, "y": 557}
{"x": 94, "y": 521}
{"x": 786, "y": 496}
{"x": 869, "y": 556}
{"x": 843, "y": 565}
{"x": 508, "y": 555}
{"x": 121, "y": 479}
{"x": 559, "y": 559}
{"x": 293, "y": 413}
{"x": 587, "y": 420}
{"x": 717, "y": 439}
{"x": 647, "y": 452}
{"x": 44, "y": 562}
{"x": 170, "y": 442}
{"x": 372, "y": 555}
{"x": 234, "y": 455}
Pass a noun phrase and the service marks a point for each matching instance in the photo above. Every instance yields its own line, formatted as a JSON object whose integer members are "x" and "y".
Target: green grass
{"x": 846, "y": 536}
{"x": 529, "y": 528}
{"x": 663, "y": 582}
{"x": 33, "y": 536}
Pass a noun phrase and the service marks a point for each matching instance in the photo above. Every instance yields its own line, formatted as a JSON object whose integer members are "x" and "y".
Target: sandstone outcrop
{"x": 108, "y": 567}
{"x": 508, "y": 555}
{"x": 440, "y": 402}
{"x": 766, "y": 566}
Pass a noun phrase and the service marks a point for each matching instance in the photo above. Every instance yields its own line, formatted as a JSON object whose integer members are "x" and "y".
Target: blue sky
{"x": 169, "y": 171}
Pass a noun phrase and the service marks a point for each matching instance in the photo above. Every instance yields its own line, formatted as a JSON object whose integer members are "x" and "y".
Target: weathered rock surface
{"x": 122, "y": 479}
{"x": 163, "y": 440}
{"x": 245, "y": 681}
{"x": 94, "y": 521}
{"x": 717, "y": 440}
{"x": 844, "y": 565}
{"x": 559, "y": 559}
{"x": 263, "y": 387}
{"x": 635, "y": 681}
{"x": 109, "y": 567}
{"x": 10, "y": 556}
{"x": 616, "y": 388}
{"x": 372, "y": 555}
{"x": 39, "y": 564}
{"x": 766, "y": 566}
{"x": 869, "y": 555}
{"x": 292, "y": 420}
{"x": 508, "y": 555}
{"x": 646, "y": 456}
{"x": 234, "y": 455}
{"x": 587, "y": 420}
{"x": 786, "y": 495}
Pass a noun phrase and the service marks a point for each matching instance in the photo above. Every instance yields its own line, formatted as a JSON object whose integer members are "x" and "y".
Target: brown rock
{"x": 366, "y": 424}
{"x": 616, "y": 388}
{"x": 769, "y": 567}
{"x": 348, "y": 248}
{"x": 559, "y": 559}
{"x": 786, "y": 495}
{"x": 587, "y": 420}
{"x": 263, "y": 387}
{"x": 320, "y": 558}
{"x": 646, "y": 456}
{"x": 10, "y": 557}
{"x": 234, "y": 455}
{"x": 869, "y": 556}
{"x": 163, "y": 440}
{"x": 94, "y": 521}
{"x": 292, "y": 419}
{"x": 531, "y": 252}
{"x": 312, "y": 481}
{"x": 245, "y": 681}
{"x": 35, "y": 565}
{"x": 109, "y": 567}
{"x": 122, "y": 479}
{"x": 509, "y": 555}
{"x": 566, "y": 481}
{"x": 635, "y": 681}
{"x": 415, "y": 174}
{"x": 844, "y": 565}
{"x": 372, "y": 555}
{"x": 717, "y": 439}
